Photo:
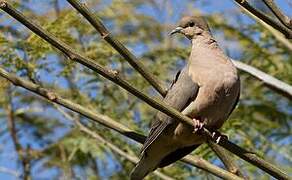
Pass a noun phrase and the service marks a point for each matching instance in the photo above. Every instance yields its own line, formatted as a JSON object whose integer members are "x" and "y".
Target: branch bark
{"x": 22, "y": 152}
{"x": 273, "y": 83}
{"x": 278, "y": 13}
{"x": 277, "y": 25}
{"x": 157, "y": 104}
{"x": 94, "y": 20}
{"x": 226, "y": 159}
{"x": 109, "y": 123}
{"x": 278, "y": 35}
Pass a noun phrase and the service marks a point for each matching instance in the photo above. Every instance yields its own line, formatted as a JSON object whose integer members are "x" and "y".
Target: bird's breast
{"x": 219, "y": 88}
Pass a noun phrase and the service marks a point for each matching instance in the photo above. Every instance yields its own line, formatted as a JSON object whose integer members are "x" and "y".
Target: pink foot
{"x": 198, "y": 125}
{"x": 217, "y": 136}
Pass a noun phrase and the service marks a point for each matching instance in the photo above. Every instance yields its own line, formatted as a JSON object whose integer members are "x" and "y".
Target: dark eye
{"x": 191, "y": 24}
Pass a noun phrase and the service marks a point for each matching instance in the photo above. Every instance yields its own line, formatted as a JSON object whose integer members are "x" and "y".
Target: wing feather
{"x": 182, "y": 91}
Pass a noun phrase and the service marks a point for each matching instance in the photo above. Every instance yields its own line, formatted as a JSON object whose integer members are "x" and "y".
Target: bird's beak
{"x": 176, "y": 30}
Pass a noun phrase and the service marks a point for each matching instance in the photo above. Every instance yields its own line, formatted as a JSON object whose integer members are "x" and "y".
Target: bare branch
{"x": 277, "y": 34}
{"x": 194, "y": 159}
{"x": 157, "y": 104}
{"x": 277, "y": 25}
{"x": 268, "y": 80}
{"x": 117, "y": 45}
{"x": 278, "y": 13}
{"x": 226, "y": 159}
{"x": 109, "y": 123}
{"x": 22, "y": 152}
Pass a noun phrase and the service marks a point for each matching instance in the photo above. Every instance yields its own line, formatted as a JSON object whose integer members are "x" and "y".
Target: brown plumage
{"x": 207, "y": 90}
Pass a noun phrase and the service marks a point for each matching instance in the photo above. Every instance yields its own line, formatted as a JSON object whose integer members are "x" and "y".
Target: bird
{"x": 207, "y": 90}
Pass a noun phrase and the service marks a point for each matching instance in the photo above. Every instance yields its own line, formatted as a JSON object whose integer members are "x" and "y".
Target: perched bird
{"x": 206, "y": 90}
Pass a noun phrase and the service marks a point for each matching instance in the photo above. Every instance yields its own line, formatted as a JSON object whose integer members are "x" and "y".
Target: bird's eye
{"x": 191, "y": 24}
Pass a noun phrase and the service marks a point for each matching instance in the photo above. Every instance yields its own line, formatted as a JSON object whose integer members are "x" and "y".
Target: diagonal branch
{"x": 157, "y": 104}
{"x": 22, "y": 152}
{"x": 273, "y": 83}
{"x": 117, "y": 45}
{"x": 226, "y": 159}
{"x": 109, "y": 123}
{"x": 277, "y": 25}
{"x": 278, "y": 35}
{"x": 278, "y": 13}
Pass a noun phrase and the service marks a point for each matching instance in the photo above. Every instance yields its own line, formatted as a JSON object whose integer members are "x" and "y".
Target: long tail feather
{"x": 145, "y": 166}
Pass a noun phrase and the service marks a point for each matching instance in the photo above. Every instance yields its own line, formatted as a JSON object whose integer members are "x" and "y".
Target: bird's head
{"x": 191, "y": 26}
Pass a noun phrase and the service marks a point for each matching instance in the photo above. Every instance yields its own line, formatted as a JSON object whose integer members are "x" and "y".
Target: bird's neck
{"x": 204, "y": 40}
{"x": 205, "y": 50}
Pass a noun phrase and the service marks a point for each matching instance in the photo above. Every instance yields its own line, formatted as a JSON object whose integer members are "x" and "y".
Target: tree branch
{"x": 278, "y": 35}
{"x": 22, "y": 153}
{"x": 157, "y": 104}
{"x": 277, "y": 25}
{"x": 268, "y": 80}
{"x": 278, "y": 13}
{"x": 203, "y": 164}
{"x": 109, "y": 123}
{"x": 117, "y": 45}
{"x": 226, "y": 159}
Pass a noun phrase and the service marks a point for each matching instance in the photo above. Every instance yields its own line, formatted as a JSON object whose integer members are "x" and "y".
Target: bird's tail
{"x": 142, "y": 169}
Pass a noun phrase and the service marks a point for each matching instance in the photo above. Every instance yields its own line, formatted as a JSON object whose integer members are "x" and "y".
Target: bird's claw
{"x": 198, "y": 125}
{"x": 217, "y": 136}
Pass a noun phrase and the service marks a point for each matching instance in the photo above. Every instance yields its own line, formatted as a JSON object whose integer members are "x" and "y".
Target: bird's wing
{"x": 182, "y": 91}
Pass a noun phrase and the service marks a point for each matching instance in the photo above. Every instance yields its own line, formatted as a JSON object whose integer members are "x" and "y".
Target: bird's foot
{"x": 217, "y": 136}
{"x": 198, "y": 125}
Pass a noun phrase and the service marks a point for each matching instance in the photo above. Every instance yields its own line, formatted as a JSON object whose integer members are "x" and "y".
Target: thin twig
{"x": 22, "y": 153}
{"x": 157, "y": 104}
{"x": 277, "y": 25}
{"x": 109, "y": 123}
{"x": 278, "y": 13}
{"x": 117, "y": 45}
{"x": 268, "y": 80}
